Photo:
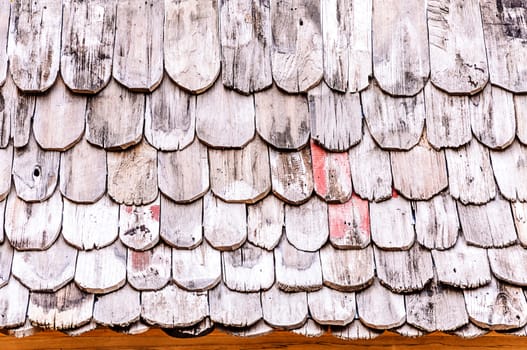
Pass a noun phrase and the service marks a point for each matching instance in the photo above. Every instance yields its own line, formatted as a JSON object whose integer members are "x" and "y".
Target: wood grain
{"x": 18, "y": 111}
{"x": 346, "y": 36}
{"x": 5, "y": 9}
{"x": 120, "y": 308}
{"x": 138, "y": 49}
{"x": 379, "y": 308}
{"x": 192, "y": 43}
{"x": 297, "y": 44}
{"x": 510, "y": 171}
{"x": 330, "y": 307}
{"x": 400, "y": 46}
{"x": 306, "y": 226}
{"x": 224, "y": 224}
{"x": 196, "y": 269}
{"x": 34, "y": 43}
{"x": 233, "y": 308}
{"x": 458, "y": 59}
{"x": 14, "y": 298}
{"x": 45, "y": 271}
{"x": 139, "y": 225}
{"x": 392, "y": 224}
{"x": 115, "y": 117}
{"x": 504, "y": 30}
{"x": 336, "y": 119}
{"x": 88, "y": 33}
{"x": 170, "y": 117}
{"x": 394, "y": 122}
{"x": 245, "y": 31}
{"x": 265, "y": 221}
{"x": 284, "y": 310}
{"x": 83, "y": 173}
{"x": 6, "y": 162}
{"x": 503, "y": 263}
{"x": 90, "y": 226}
{"x": 180, "y": 224}
{"x": 291, "y": 175}
{"x": 224, "y": 118}
{"x": 338, "y": 268}
{"x": 282, "y": 119}
{"x": 151, "y": 269}
{"x": 349, "y": 224}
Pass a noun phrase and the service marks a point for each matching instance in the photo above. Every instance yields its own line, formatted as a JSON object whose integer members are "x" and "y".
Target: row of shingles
{"x": 302, "y": 35}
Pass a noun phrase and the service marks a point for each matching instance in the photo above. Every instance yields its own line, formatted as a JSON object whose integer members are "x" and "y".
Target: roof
{"x": 348, "y": 166}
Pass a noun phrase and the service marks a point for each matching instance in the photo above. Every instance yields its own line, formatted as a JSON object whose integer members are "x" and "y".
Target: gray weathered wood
{"x": 196, "y": 269}
{"x": 132, "y": 175}
{"x": 437, "y": 222}
{"x": 6, "y": 96}
{"x": 265, "y": 221}
{"x": 180, "y": 224}
{"x": 493, "y": 117}
{"x": 470, "y": 177}
{"x": 394, "y": 122}
{"x": 458, "y": 61}
{"x": 102, "y": 271}
{"x": 224, "y": 224}
{"x": 191, "y": 43}
{"x": 245, "y": 30}
{"x": 370, "y": 169}
{"x": 90, "y": 226}
{"x": 120, "y": 308}
{"x": 379, "y": 308}
{"x": 224, "y": 118}
{"x": 447, "y": 118}
{"x": 400, "y": 46}
{"x": 139, "y": 225}
{"x": 331, "y": 307}
{"x": 201, "y": 328}
{"x": 5, "y": 9}
{"x": 26, "y": 330}
{"x": 88, "y": 32}
{"x": 331, "y": 174}
{"x": 519, "y": 213}
{"x": 349, "y": 224}
{"x": 436, "y": 308}
{"x": 470, "y": 331}
{"x": 336, "y": 119}
{"x": 462, "y": 266}
{"x": 520, "y": 104}
{"x": 45, "y": 271}
{"x": 2, "y": 219}
{"x": 151, "y": 269}
{"x": 233, "y": 308}
{"x": 6, "y": 162}
{"x": 14, "y": 299}
{"x": 408, "y": 331}
{"x": 170, "y": 117}
{"x": 284, "y": 310}
{"x": 67, "y": 308}
{"x": 34, "y": 43}
{"x": 506, "y": 264}
{"x": 355, "y": 331}
{"x": 32, "y": 226}
{"x": 282, "y": 119}
{"x": 496, "y": 306}
{"x": 173, "y": 307}
{"x": 310, "y": 329}
{"x": 35, "y": 172}
{"x": 392, "y": 224}
{"x": 346, "y": 35}
{"x": 510, "y": 171}
{"x": 77, "y": 331}
{"x": 138, "y": 50}
{"x": 297, "y": 270}
{"x": 258, "y": 329}
{"x": 297, "y": 44}
{"x": 505, "y": 34}
{"x": 419, "y": 182}
{"x": 404, "y": 271}
{"x": 306, "y": 226}
{"x": 248, "y": 269}
{"x": 18, "y": 111}
{"x": 115, "y": 117}
{"x": 83, "y": 173}
{"x": 291, "y": 175}
{"x": 488, "y": 225}
{"x": 6, "y": 259}
{"x": 339, "y": 267}
{"x": 184, "y": 175}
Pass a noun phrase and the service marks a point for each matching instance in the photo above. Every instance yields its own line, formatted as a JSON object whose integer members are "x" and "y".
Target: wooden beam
{"x": 156, "y": 339}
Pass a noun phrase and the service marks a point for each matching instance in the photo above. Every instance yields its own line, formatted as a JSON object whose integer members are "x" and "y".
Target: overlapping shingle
{"x": 141, "y": 190}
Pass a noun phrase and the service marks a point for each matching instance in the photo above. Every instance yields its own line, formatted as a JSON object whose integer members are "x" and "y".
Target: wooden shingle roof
{"x": 349, "y": 166}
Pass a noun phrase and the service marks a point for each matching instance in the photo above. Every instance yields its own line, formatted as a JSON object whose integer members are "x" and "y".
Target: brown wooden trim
{"x": 156, "y": 339}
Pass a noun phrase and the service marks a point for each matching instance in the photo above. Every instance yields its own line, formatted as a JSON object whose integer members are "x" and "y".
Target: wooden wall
{"x": 156, "y": 339}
